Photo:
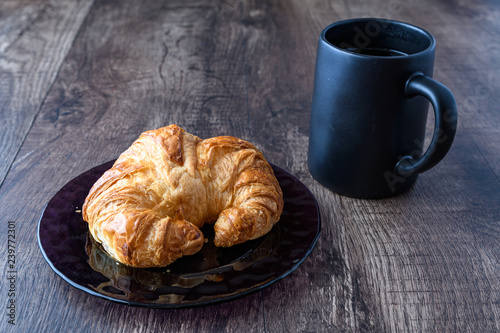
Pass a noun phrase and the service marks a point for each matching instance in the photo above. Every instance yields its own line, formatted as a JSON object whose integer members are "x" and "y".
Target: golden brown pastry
{"x": 147, "y": 209}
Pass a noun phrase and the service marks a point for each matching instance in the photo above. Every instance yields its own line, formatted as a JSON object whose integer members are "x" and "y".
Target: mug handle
{"x": 445, "y": 114}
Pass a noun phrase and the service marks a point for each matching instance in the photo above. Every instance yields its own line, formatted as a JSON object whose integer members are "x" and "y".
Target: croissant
{"x": 147, "y": 210}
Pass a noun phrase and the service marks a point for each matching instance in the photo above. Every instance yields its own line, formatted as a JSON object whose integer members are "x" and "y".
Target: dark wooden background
{"x": 81, "y": 79}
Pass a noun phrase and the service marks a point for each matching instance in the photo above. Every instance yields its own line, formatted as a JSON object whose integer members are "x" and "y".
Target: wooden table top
{"x": 81, "y": 79}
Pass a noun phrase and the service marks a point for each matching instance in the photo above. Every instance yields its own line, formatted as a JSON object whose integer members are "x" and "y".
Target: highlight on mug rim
{"x": 392, "y": 39}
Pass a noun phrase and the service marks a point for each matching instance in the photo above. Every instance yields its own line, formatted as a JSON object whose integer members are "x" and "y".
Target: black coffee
{"x": 379, "y": 52}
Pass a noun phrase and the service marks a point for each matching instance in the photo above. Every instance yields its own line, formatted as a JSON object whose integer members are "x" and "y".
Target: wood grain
{"x": 36, "y": 37}
{"x": 80, "y": 80}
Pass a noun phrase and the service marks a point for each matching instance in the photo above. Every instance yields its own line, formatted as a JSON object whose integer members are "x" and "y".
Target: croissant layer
{"x": 147, "y": 209}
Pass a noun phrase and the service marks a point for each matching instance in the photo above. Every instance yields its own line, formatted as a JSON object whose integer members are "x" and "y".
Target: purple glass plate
{"x": 210, "y": 276}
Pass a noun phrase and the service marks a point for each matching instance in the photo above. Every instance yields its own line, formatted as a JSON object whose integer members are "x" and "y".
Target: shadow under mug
{"x": 372, "y": 87}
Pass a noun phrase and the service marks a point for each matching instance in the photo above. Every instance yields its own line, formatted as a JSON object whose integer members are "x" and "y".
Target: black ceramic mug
{"x": 372, "y": 87}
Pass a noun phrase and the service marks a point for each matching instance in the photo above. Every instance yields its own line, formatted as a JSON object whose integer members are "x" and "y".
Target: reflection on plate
{"x": 211, "y": 276}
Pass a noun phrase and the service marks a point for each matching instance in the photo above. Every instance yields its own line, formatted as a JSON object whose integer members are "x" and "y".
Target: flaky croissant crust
{"x": 147, "y": 209}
